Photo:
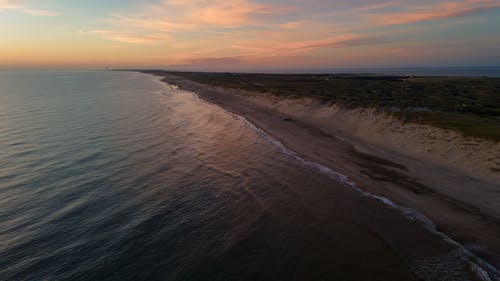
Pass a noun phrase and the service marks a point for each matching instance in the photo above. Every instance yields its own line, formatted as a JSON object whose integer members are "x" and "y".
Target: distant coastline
{"x": 454, "y": 71}
{"x": 427, "y": 169}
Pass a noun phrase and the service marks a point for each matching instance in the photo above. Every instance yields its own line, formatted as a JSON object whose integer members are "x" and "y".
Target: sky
{"x": 225, "y": 35}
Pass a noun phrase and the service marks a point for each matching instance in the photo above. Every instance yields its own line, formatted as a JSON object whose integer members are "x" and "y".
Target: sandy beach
{"x": 456, "y": 189}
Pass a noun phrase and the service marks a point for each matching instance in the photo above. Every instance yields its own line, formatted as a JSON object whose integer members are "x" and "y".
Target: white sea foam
{"x": 465, "y": 256}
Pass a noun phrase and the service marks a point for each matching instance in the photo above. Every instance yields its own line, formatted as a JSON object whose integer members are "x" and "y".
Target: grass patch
{"x": 467, "y": 124}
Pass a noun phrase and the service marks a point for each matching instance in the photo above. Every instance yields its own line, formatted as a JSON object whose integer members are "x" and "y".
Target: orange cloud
{"x": 153, "y": 23}
{"x": 149, "y": 39}
{"x": 182, "y": 14}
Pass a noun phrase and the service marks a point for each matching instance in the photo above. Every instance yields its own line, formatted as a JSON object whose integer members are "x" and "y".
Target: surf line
{"x": 411, "y": 214}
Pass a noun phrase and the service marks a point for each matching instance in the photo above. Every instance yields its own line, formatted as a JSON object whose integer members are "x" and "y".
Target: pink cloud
{"x": 241, "y": 32}
{"x": 288, "y": 47}
{"x": 231, "y": 13}
{"x": 199, "y": 13}
{"x": 436, "y": 12}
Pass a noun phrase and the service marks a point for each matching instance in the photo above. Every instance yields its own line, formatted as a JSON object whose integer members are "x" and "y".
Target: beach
{"x": 118, "y": 175}
{"x": 460, "y": 196}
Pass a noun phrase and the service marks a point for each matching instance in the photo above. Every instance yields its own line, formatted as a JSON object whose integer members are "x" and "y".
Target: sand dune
{"x": 475, "y": 157}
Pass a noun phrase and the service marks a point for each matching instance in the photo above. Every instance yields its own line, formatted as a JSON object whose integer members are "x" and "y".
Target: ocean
{"x": 117, "y": 176}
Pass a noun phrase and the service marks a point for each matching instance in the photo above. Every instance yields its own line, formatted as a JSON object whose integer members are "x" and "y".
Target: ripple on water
{"x": 114, "y": 176}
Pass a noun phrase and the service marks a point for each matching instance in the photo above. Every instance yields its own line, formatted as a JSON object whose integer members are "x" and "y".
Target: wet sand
{"x": 441, "y": 194}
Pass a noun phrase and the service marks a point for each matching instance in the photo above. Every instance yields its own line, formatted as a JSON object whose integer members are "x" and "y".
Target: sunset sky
{"x": 248, "y": 34}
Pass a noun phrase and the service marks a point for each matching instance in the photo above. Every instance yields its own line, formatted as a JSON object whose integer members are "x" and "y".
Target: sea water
{"x": 117, "y": 176}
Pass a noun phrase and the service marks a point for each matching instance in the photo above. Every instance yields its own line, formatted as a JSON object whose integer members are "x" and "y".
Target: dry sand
{"x": 451, "y": 179}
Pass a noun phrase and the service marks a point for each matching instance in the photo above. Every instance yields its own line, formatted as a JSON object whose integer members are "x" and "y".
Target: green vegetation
{"x": 468, "y": 105}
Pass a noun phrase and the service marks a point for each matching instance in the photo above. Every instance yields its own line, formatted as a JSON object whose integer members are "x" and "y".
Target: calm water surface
{"x": 116, "y": 176}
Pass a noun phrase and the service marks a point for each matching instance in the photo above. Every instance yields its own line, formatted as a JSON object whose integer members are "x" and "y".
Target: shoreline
{"x": 376, "y": 171}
